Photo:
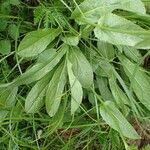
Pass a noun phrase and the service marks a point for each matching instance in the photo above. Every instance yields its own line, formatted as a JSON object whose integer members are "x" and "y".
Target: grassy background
{"x": 22, "y": 131}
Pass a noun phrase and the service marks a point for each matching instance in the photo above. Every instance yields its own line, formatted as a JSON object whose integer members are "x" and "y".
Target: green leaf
{"x": 145, "y": 44}
{"x": 119, "y": 95}
{"x": 134, "y": 105}
{"x": 105, "y": 68}
{"x": 57, "y": 120}
{"x": 86, "y": 30}
{"x": 7, "y": 96}
{"x": 13, "y": 31}
{"x": 103, "y": 88}
{"x": 7, "y": 100}
{"x": 91, "y": 98}
{"x": 55, "y": 90}
{"x": 5, "y": 47}
{"x": 140, "y": 81}
{"x": 39, "y": 70}
{"x": 116, "y": 120}
{"x": 71, "y": 40}
{"x": 46, "y": 55}
{"x": 36, "y": 41}
{"x": 35, "y": 98}
{"x": 132, "y": 53}
{"x": 92, "y": 10}
{"x": 106, "y": 50}
{"x": 76, "y": 89}
{"x": 5, "y": 8}
{"x": 119, "y": 31}
{"x": 147, "y": 147}
{"x": 14, "y": 2}
{"x": 81, "y": 67}
{"x": 93, "y": 57}
{"x": 3, "y": 24}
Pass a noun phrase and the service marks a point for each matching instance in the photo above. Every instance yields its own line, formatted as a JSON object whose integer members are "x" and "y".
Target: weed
{"x": 74, "y": 74}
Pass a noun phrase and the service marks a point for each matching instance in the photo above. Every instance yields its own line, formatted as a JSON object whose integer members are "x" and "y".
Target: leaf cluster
{"x": 87, "y": 52}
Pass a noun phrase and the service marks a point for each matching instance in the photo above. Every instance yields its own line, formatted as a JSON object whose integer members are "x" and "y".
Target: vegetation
{"x": 74, "y": 74}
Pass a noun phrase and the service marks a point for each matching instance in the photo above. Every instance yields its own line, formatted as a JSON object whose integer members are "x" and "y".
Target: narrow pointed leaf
{"x": 117, "y": 121}
{"x": 140, "y": 81}
{"x": 7, "y": 100}
{"x": 35, "y": 98}
{"x": 7, "y": 96}
{"x": 103, "y": 88}
{"x": 40, "y": 69}
{"x": 132, "y": 53}
{"x": 57, "y": 120}
{"x": 118, "y": 94}
{"x": 76, "y": 89}
{"x": 55, "y": 90}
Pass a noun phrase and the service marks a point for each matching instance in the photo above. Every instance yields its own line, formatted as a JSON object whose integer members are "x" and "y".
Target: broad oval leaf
{"x": 13, "y": 31}
{"x": 116, "y": 120}
{"x": 140, "y": 81}
{"x": 92, "y": 10}
{"x": 5, "y": 47}
{"x": 81, "y": 67}
{"x": 55, "y": 89}
{"x": 36, "y": 41}
{"x": 120, "y": 31}
{"x": 3, "y": 24}
{"x": 76, "y": 89}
